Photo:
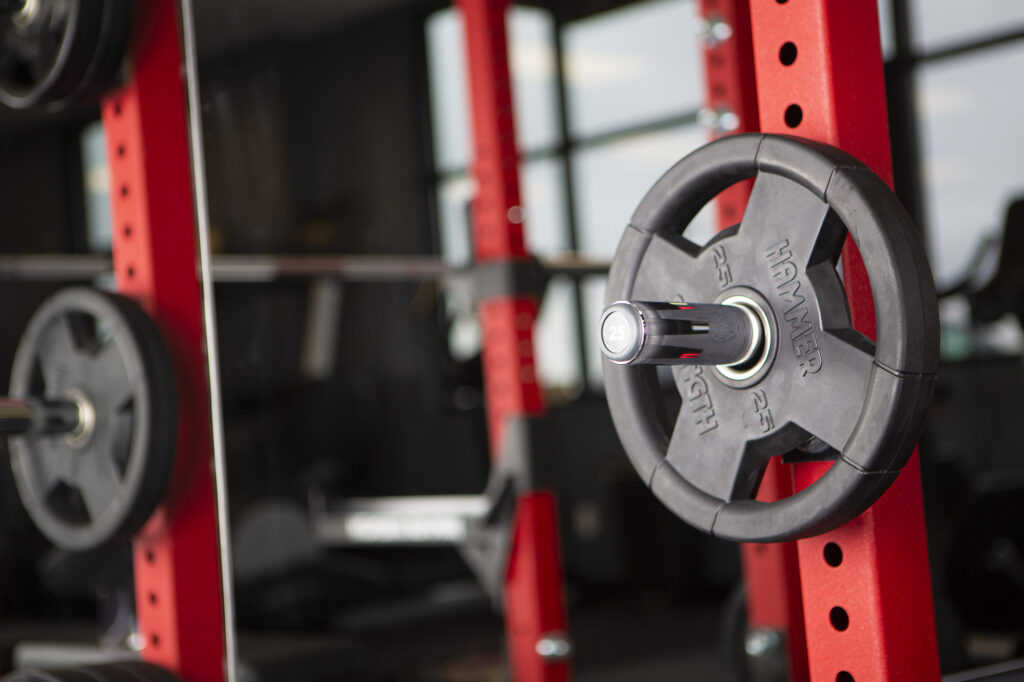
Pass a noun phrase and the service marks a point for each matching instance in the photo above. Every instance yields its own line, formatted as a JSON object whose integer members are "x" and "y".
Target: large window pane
{"x": 97, "y": 188}
{"x": 886, "y": 27}
{"x": 971, "y": 171}
{"x": 533, "y": 78}
{"x": 453, "y": 199}
{"x": 556, "y": 348}
{"x": 635, "y": 64}
{"x": 938, "y": 23}
{"x": 611, "y": 179}
{"x": 593, "y": 300}
{"x": 542, "y": 188}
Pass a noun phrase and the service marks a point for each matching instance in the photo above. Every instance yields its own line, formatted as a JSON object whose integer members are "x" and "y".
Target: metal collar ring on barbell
{"x": 820, "y": 386}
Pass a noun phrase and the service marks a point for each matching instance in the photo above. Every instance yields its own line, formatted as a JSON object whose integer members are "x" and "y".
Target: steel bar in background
{"x": 866, "y": 586}
{"x": 54, "y": 268}
{"x": 256, "y": 269}
{"x": 177, "y": 577}
{"x": 371, "y": 268}
{"x": 208, "y": 308}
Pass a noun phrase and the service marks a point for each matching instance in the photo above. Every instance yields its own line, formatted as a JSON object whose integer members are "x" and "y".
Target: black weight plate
{"x": 86, "y": 492}
{"x": 140, "y": 671}
{"x": 92, "y": 672}
{"x": 111, "y": 46}
{"x": 127, "y": 671}
{"x": 58, "y": 52}
{"x": 124, "y": 671}
{"x": 46, "y": 50}
{"x": 108, "y": 673}
{"x": 865, "y": 400}
{"x": 146, "y": 672}
{"x": 58, "y": 675}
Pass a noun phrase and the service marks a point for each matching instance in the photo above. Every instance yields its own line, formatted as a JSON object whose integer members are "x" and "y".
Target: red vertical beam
{"x": 730, "y": 86}
{"x": 771, "y": 571}
{"x": 510, "y": 383}
{"x": 177, "y": 579}
{"x": 834, "y": 92}
{"x": 771, "y": 577}
{"x": 534, "y": 604}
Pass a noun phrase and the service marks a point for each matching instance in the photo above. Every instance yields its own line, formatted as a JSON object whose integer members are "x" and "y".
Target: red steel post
{"x": 771, "y": 578}
{"x": 177, "y": 577}
{"x": 771, "y": 572}
{"x": 730, "y": 86}
{"x": 534, "y": 602}
{"x": 833, "y": 91}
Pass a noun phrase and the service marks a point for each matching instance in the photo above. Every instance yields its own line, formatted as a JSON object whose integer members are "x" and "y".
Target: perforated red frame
{"x": 177, "y": 575}
{"x": 534, "y": 600}
{"x": 883, "y": 581}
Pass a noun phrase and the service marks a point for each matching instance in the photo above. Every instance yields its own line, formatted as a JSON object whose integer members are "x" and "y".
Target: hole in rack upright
{"x": 839, "y": 618}
{"x": 833, "y": 554}
{"x": 794, "y": 115}
{"x": 787, "y": 53}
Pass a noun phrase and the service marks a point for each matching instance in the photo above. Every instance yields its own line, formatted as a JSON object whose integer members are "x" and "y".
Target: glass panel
{"x": 611, "y": 179}
{"x": 314, "y": 131}
{"x": 593, "y": 304}
{"x": 939, "y": 24}
{"x": 631, "y": 65}
{"x": 971, "y": 171}
{"x": 534, "y": 83}
{"x": 555, "y": 337}
{"x": 534, "y": 91}
{"x": 449, "y": 93}
{"x": 542, "y": 184}
{"x": 453, "y": 200}
{"x": 464, "y": 337}
{"x": 886, "y": 27}
{"x": 96, "y": 176}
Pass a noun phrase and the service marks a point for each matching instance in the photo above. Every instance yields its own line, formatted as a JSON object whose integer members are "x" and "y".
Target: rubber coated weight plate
{"x": 143, "y": 672}
{"x": 54, "y": 53}
{"x": 824, "y": 386}
{"x": 98, "y": 485}
{"x": 59, "y": 675}
{"x": 109, "y": 673}
{"x": 125, "y": 671}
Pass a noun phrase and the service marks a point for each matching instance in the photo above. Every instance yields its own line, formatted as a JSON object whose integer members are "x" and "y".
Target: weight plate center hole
{"x": 80, "y": 436}
{"x": 760, "y": 340}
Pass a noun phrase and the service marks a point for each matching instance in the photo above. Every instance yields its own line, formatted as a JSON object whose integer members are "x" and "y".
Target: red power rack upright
{"x": 177, "y": 576}
{"x": 866, "y": 586}
{"x": 534, "y": 608}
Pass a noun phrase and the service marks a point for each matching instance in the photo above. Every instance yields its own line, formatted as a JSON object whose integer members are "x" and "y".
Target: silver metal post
{"x": 220, "y": 469}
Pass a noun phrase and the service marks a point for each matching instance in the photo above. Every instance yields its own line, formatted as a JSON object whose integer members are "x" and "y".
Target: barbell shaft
{"x": 19, "y": 416}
